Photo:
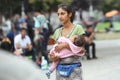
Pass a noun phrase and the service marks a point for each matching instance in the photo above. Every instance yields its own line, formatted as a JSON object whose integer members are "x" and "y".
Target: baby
{"x": 76, "y": 44}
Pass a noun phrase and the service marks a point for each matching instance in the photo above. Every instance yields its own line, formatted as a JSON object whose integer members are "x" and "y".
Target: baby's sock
{"x": 48, "y": 74}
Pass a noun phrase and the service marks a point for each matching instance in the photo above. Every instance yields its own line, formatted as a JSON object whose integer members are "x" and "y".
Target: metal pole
{"x": 91, "y": 8}
{"x": 22, "y": 8}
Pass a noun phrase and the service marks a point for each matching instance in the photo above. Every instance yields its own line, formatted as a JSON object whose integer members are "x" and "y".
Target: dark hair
{"x": 23, "y": 29}
{"x": 69, "y": 10}
{"x": 80, "y": 41}
{"x": 89, "y": 26}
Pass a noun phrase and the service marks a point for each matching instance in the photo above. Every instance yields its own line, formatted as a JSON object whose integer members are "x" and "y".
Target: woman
{"x": 66, "y": 15}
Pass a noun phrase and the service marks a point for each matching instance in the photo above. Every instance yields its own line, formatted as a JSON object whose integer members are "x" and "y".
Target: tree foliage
{"x": 10, "y": 6}
{"x": 104, "y": 5}
{"x": 107, "y": 5}
{"x": 14, "y": 6}
{"x": 47, "y": 5}
{"x": 83, "y": 4}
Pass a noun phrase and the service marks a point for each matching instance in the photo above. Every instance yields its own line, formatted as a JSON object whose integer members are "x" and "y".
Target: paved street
{"x": 106, "y": 67}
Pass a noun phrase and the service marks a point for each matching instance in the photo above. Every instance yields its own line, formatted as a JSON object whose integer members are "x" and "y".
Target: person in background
{"x": 11, "y": 34}
{"x": 16, "y": 22}
{"x": 22, "y": 22}
{"x": 6, "y": 44}
{"x": 30, "y": 26}
{"x": 1, "y": 34}
{"x": 89, "y": 33}
{"x": 8, "y": 21}
{"x": 43, "y": 30}
{"x": 23, "y": 44}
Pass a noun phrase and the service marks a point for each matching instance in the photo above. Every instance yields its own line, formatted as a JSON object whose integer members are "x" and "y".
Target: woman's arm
{"x": 61, "y": 46}
{"x": 57, "y": 48}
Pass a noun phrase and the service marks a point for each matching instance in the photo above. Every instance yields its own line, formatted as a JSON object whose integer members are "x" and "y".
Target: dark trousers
{"x": 30, "y": 52}
{"x": 87, "y": 46}
{"x": 31, "y": 35}
{"x": 41, "y": 50}
{"x": 44, "y": 43}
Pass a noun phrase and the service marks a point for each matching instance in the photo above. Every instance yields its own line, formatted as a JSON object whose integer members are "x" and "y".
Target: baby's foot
{"x": 48, "y": 74}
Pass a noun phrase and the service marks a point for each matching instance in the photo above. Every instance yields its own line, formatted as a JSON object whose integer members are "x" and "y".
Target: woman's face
{"x": 63, "y": 16}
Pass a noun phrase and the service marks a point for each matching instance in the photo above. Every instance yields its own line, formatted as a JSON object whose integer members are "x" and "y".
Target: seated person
{"x": 76, "y": 44}
{"x": 23, "y": 46}
{"x": 6, "y": 44}
{"x": 11, "y": 34}
{"x": 89, "y": 33}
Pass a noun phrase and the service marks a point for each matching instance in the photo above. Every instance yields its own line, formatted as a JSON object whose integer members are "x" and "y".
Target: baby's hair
{"x": 80, "y": 41}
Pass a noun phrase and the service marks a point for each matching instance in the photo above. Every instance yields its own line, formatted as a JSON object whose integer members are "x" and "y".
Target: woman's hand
{"x": 60, "y": 46}
{"x": 53, "y": 57}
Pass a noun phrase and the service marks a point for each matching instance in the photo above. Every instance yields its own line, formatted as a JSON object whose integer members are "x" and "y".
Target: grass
{"x": 101, "y": 26}
{"x": 116, "y": 26}
{"x": 107, "y": 36}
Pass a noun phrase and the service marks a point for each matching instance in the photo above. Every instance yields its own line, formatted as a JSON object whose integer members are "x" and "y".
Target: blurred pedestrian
{"x": 11, "y": 34}
{"x": 1, "y": 34}
{"x": 30, "y": 26}
{"x": 54, "y": 21}
{"x": 16, "y": 22}
{"x": 43, "y": 30}
{"x": 8, "y": 21}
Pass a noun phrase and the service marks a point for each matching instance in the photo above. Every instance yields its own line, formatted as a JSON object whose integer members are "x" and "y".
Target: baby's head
{"x": 79, "y": 40}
